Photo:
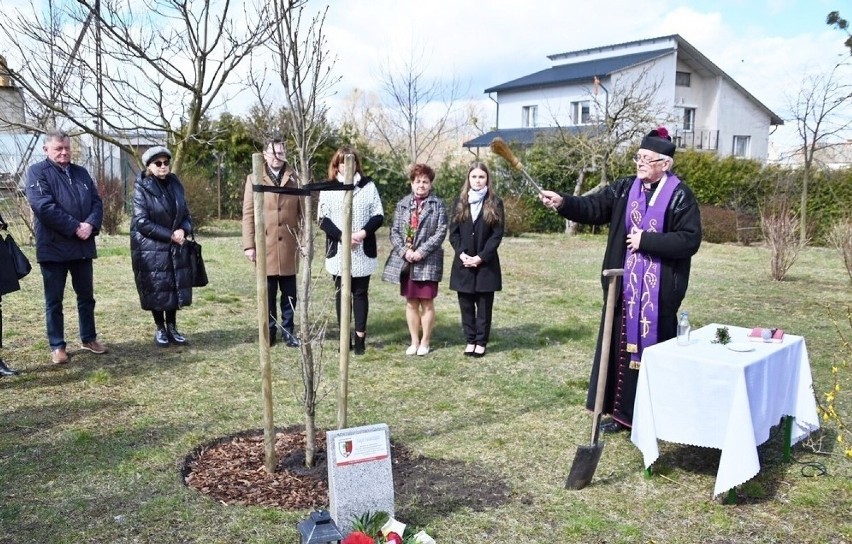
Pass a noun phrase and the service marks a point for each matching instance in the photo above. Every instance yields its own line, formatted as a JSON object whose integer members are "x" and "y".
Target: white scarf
{"x": 475, "y": 198}
{"x": 355, "y": 179}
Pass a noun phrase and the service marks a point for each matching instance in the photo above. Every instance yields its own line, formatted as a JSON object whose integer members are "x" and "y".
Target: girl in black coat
{"x": 158, "y": 229}
{"x": 476, "y": 230}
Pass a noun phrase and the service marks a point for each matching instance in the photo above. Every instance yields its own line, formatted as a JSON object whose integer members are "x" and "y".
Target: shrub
{"x": 111, "y": 192}
{"x": 840, "y": 236}
{"x": 201, "y": 200}
{"x": 748, "y": 228}
{"x": 517, "y": 215}
{"x": 526, "y": 214}
{"x": 780, "y": 223}
{"x": 718, "y": 225}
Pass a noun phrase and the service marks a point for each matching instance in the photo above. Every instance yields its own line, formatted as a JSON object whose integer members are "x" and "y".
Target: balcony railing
{"x": 697, "y": 139}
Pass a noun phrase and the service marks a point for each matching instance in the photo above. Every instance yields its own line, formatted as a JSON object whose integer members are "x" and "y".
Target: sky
{"x": 767, "y": 46}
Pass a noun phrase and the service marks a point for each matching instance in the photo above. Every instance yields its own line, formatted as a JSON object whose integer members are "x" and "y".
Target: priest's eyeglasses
{"x": 639, "y": 158}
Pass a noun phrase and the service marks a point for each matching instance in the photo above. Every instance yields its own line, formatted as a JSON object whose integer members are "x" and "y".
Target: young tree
{"x": 819, "y": 110}
{"x": 115, "y": 70}
{"x": 304, "y": 67}
{"x": 625, "y": 113}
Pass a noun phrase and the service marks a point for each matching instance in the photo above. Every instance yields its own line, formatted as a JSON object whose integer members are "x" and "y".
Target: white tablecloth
{"x": 707, "y": 395}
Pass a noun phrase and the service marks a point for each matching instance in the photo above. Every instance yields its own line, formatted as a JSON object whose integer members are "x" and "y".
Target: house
{"x": 20, "y": 147}
{"x": 701, "y": 105}
{"x": 833, "y": 156}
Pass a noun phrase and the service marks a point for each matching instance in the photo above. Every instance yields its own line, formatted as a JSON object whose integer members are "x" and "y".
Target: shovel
{"x": 586, "y": 460}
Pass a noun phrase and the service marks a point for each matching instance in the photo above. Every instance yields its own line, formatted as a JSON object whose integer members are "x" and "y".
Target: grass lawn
{"x": 91, "y": 452}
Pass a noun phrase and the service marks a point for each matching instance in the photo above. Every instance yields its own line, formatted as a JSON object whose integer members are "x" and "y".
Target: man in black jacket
{"x": 68, "y": 213}
{"x": 654, "y": 230}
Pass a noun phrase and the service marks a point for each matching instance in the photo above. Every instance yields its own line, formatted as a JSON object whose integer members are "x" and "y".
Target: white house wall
{"x": 739, "y": 116}
{"x": 701, "y": 95}
{"x": 554, "y": 105}
{"x": 659, "y": 74}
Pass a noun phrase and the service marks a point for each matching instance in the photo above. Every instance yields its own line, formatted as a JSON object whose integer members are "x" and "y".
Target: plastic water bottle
{"x": 683, "y": 329}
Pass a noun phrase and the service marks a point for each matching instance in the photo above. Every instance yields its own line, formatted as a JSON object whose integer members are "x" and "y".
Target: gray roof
{"x": 580, "y": 71}
{"x": 523, "y": 136}
{"x": 587, "y": 70}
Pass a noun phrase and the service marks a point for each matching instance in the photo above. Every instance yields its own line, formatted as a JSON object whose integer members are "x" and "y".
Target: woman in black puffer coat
{"x": 158, "y": 229}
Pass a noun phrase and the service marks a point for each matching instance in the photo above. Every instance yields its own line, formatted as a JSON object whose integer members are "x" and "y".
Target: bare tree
{"x": 304, "y": 66}
{"x": 119, "y": 69}
{"x": 624, "y": 114}
{"x": 417, "y": 113}
{"x": 840, "y": 236}
{"x": 822, "y": 121}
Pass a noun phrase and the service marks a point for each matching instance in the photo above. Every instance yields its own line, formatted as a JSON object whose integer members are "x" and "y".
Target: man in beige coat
{"x": 282, "y": 215}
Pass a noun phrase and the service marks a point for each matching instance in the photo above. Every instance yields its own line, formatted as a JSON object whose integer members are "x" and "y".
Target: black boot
{"x": 174, "y": 335}
{"x": 360, "y": 344}
{"x": 273, "y": 336}
{"x": 290, "y": 338}
{"x": 161, "y": 338}
{"x": 5, "y": 370}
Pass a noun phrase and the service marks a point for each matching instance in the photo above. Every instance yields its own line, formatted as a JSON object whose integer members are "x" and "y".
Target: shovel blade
{"x": 585, "y": 464}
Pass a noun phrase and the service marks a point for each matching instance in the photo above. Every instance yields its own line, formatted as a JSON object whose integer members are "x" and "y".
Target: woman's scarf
{"x": 641, "y": 280}
{"x": 475, "y": 198}
{"x": 355, "y": 179}
{"x": 413, "y": 221}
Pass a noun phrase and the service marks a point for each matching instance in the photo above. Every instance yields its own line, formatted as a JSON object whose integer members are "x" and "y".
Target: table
{"x": 707, "y": 395}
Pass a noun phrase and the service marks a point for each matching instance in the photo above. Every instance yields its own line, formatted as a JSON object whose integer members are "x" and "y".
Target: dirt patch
{"x": 231, "y": 470}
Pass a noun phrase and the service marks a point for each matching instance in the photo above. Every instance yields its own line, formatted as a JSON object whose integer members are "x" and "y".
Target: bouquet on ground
{"x": 380, "y": 528}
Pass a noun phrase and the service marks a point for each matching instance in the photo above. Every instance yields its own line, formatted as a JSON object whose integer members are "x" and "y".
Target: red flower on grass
{"x": 358, "y": 538}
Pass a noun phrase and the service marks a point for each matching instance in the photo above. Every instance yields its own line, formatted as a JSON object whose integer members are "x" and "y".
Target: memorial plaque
{"x": 360, "y": 475}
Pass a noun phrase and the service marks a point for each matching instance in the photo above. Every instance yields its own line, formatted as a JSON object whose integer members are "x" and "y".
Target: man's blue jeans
{"x": 54, "y": 275}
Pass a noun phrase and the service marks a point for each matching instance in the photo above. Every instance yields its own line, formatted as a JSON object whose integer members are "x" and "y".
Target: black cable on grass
{"x": 811, "y": 469}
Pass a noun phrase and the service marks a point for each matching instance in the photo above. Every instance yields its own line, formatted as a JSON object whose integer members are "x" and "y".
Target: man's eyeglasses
{"x": 161, "y": 163}
{"x": 639, "y": 158}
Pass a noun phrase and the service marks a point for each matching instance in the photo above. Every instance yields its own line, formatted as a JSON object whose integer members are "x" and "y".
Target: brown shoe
{"x": 95, "y": 347}
{"x": 59, "y": 356}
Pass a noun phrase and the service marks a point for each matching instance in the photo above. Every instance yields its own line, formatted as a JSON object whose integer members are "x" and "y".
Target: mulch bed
{"x": 231, "y": 470}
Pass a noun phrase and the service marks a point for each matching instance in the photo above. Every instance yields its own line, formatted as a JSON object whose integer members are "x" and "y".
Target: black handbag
{"x": 199, "y": 271}
{"x": 8, "y": 276}
{"x": 19, "y": 260}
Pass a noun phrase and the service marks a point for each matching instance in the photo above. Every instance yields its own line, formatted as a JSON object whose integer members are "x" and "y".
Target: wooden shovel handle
{"x": 603, "y": 366}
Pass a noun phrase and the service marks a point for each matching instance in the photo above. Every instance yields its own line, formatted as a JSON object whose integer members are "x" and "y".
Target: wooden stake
{"x": 345, "y": 290}
{"x": 270, "y": 461}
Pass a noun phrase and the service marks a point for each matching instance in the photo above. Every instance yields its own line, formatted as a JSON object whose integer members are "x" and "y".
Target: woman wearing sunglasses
{"x": 159, "y": 227}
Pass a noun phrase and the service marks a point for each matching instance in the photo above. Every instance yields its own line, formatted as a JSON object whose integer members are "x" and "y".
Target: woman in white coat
{"x": 367, "y": 217}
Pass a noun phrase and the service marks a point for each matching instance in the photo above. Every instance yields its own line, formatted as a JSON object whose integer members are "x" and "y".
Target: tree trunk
{"x": 803, "y": 212}
{"x": 303, "y": 296}
{"x": 345, "y": 291}
{"x": 571, "y": 226}
{"x": 270, "y": 462}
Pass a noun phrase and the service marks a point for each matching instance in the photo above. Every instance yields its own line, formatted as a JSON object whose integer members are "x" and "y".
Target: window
{"x": 580, "y": 112}
{"x": 529, "y": 116}
{"x": 688, "y": 119}
{"x": 682, "y": 79}
{"x": 741, "y": 146}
